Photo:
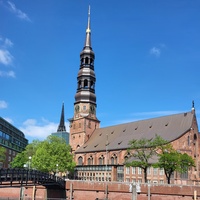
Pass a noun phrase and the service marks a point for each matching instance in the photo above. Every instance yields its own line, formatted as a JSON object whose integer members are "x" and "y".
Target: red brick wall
{"x": 82, "y": 190}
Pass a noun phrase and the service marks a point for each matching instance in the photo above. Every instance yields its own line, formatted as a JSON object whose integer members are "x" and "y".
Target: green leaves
{"x": 50, "y": 155}
{"x": 143, "y": 151}
{"x": 2, "y": 154}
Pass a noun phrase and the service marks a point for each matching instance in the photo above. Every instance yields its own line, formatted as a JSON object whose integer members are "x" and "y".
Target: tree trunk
{"x": 145, "y": 175}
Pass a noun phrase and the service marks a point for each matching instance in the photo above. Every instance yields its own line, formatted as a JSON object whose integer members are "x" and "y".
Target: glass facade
{"x": 12, "y": 139}
{"x": 64, "y": 135}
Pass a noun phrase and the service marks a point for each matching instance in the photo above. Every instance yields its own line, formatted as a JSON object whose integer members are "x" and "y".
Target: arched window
{"x": 188, "y": 140}
{"x": 101, "y": 160}
{"x": 85, "y": 83}
{"x": 195, "y": 137}
{"x": 114, "y": 159}
{"x": 92, "y": 84}
{"x": 86, "y": 60}
{"x": 82, "y": 61}
{"x": 91, "y": 61}
{"x": 90, "y": 160}
{"x": 79, "y": 84}
{"x": 80, "y": 161}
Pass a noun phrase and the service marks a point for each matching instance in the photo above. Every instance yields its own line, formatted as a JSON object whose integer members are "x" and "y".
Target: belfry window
{"x": 82, "y": 61}
{"x": 85, "y": 83}
{"x": 91, "y": 61}
{"x": 86, "y": 60}
{"x": 79, "y": 84}
{"x": 92, "y": 85}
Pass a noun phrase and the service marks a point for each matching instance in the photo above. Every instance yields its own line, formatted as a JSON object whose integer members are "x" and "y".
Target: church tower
{"x": 84, "y": 122}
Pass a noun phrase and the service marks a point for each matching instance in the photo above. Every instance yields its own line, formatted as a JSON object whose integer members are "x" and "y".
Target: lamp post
{"x": 56, "y": 171}
{"x": 29, "y": 163}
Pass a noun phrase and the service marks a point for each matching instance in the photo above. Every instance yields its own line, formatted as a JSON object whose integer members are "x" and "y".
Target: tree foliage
{"x": 142, "y": 152}
{"x": 2, "y": 154}
{"x": 50, "y": 155}
{"x": 158, "y": 153}
{"x": 22, "y": 158}
{"x": 53, "y": 154}
{"x": 172, "y": 161}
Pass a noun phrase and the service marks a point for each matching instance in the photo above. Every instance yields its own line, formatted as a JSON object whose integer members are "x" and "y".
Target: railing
{"x": 15, "y": 176}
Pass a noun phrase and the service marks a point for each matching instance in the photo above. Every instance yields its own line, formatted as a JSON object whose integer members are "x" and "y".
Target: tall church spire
{"x": 61, "y": 127}
{"x": 84, "y": 121}
{"x": 85, "y": 98}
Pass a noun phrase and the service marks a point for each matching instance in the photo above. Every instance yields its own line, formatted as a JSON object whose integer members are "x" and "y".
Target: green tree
{"x": 2, "y": 154}
{"x": 23, "y": 158}
{"x": 142, "y": 152}
{"x": 50, "y": 155}
{"x": 172, "y": 160}
{"x": 53, "y": 154}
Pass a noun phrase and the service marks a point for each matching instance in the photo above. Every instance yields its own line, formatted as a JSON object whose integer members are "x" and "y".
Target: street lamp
{"x": 29, "y": 163}
{"x": 56, "y": 169}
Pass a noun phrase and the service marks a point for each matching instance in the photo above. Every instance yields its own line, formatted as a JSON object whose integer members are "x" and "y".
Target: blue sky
{"x": 147, "y": 59}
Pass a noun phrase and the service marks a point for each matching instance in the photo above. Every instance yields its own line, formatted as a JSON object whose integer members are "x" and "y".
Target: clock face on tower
{"x": 77, "y": 108}
{"x": 92, "y": 109}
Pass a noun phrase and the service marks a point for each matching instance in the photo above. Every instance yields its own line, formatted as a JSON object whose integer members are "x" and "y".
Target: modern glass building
{"x": 12, "y": 139}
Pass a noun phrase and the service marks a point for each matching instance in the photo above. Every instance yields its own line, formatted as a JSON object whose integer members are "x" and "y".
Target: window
{"x": 127, "y": 170}
{"x": 161, "y": 171}
{"x": 80, "y": 161}
{"x": 149, "y": 170}
{"x": 90, "y": 160}
{"x": 85, "y": 83}
{"x": 139, "y": 181}
{"x": 101, "y": 160}
{"x": 155, "y": 171}
{"x": 127, "y": 179}
{"x": 84, "y": 107}
{"x": 188, "y": 140}
{"x": 133, "y": 170}
{"x": 86, "y": 60}
{"x": 184, "y": 175}
{"x": 139, "y": 170}
{"x": 161, "y": 181}
{"x": 112, "y": 161}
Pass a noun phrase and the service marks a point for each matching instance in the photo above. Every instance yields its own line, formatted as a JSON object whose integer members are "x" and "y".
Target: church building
{"x": 100, "y": 153}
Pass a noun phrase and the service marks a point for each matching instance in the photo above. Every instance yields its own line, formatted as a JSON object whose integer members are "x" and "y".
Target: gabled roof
{"x": 117, "y": 137}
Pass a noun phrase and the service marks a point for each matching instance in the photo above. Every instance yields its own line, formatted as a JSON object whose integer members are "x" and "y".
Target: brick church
{"x": 100, "y": 153}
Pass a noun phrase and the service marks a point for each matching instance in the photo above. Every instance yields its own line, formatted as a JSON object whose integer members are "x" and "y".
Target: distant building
{"x": 12, "y": 139}
{"x": 100, "y": 153}
{"x": 61, "y": 131}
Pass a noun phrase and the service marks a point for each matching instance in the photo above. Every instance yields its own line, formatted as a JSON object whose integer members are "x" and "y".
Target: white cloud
{"x": 8, "y": 43}
{"x": 5, "y": 57}
{"x": 3, "y": 104}
{"x": 155, "y": 51}
{"x": 10, "y": 74}
{"x": 18, "y": 12}
{"x": 38, "y": 130}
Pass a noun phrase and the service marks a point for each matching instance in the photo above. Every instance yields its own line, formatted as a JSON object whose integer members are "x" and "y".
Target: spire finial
{"x": 88, "y": 27}
{"x": 192, "y": 104}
